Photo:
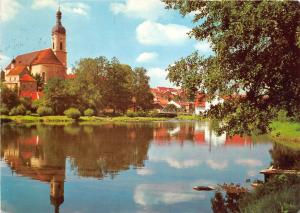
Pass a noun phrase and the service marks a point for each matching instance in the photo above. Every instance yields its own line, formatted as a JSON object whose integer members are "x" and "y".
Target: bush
{"x": 154, "y": 113}
{"x": 89, "y": 112}
{"x": 131, "y": 113}
{"x": 44, "y": 111}
{"x": 28, "y": 112}
{"x": 19, "y": 110}
{"x": 72, "y": 113}
{"x": 4, "y": 110}
{"x": 141, "y": 113}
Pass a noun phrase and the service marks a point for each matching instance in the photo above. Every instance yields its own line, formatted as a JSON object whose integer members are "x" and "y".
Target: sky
{"x": 137, "y": 32}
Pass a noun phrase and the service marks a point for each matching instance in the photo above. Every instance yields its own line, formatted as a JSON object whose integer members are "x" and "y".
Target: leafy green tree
{"x": 117, "y": 91}
{"x": 39, "y": 80}
{"x": 255, "y": 65}
{"x": 141, "y": 89}
{"x": 57, "y": 95}
{"x": 2, "y": 76}
{"x": 8, "y": 97}
{"x": 89, "y": 82}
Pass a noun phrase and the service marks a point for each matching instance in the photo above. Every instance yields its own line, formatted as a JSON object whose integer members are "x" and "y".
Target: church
{"x": 48, "y": 63}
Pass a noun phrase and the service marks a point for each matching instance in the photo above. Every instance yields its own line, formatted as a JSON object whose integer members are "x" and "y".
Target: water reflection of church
{"x": 27, "y": 158}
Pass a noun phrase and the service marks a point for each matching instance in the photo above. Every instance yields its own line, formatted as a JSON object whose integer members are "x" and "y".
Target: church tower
{"x": 59, "y": 40}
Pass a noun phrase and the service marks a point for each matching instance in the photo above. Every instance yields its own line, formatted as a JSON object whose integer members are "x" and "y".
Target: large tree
{"x": 116, "y": 91}
{"x": 141, "y": 89}
{"x": 256, "y": 62}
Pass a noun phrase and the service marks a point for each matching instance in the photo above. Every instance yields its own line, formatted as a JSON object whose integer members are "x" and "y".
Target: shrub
{"x": 19, "y": 110}
{"x": 170, "y": 108}
{"x": 141, "y": 113}
{"x": 72, "y": 113}
{"x": 154, "y": 113}
{"x": 43, "y": 111}
{"x": 89, "y": 112}
{"x": 131, "y": 113}
{"x": 4, "y": 110}
{"x": 28, "y": 112}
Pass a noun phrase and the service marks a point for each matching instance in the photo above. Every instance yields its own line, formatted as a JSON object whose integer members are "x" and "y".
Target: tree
{"x": 256, "y": 62}
{"x": 2, "y": 76}
{"x": 8, "y": 97}
{"x": 39, "y": 80}
{"x": 89, "y": 82}
{"x": 141, "y": 89}
{"x": 117, "y": 91}
{"x": 57, "y": 95}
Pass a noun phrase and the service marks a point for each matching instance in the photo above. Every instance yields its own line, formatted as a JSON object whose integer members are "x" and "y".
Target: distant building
{"x": 48, "y": 63}
{"x": 164, "y": 96}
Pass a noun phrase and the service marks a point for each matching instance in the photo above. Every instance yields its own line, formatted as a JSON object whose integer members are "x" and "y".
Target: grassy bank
{"x": 82, "y": 120}
{"x": 286, "y": 133}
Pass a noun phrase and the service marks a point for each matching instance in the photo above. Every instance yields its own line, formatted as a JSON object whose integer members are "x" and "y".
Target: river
{"x": 133, "y": 167}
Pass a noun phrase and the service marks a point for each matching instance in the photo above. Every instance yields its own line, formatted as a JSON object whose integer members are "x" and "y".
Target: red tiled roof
{"x": 17, "y": 70}
{"x": 32, "y": 95}
{"x": 46, "y": 56}
{"x": 27, "y": 77}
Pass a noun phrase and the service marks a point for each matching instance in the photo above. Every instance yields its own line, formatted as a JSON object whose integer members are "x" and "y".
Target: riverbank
{"x": 286, "y": 133}
{"x": 66, "y": 120}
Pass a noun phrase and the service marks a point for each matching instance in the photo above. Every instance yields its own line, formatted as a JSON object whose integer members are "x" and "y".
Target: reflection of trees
{"x": 110, "y": 149}
{"x": 285, "y": 158}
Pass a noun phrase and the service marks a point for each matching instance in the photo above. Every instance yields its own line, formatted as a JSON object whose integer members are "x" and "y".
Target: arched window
{"x": 61, "y": 46}
{"x": 53, "y": 45}
{"x": 43, "y": 76}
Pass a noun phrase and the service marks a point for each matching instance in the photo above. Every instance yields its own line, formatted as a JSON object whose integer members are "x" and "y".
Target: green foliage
{"x": 4, "y": 110}
{"x": 131, "y": 113}
{"x": 255, "y": 64}
{"x": 170, "y": 108}
{"x": 8, "y": 96}
{"x": 44, "y": 111}
{"x": 141, "y": 90}
{"x": 26, "y": 102}
{"x": 18, "y": 110}
{"x": 57, "y": 95}
{"x": 154, "y": 113}
{"x": 280, "y": 194}
{"x": 28, "y": 112}
{"x": 39, "y": 80}
{"x": 89, "y": 112}
{"x": 72, "y": 113}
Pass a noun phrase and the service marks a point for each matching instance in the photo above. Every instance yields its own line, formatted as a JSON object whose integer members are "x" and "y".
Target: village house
{"x": 48, "y": 63}
{"x": 164, "y": 96}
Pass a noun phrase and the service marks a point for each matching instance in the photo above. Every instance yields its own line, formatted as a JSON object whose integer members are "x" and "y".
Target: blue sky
{"x": 137, "y": 32}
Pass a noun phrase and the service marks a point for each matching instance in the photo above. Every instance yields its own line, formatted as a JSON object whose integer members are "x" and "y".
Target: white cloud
{"x": 171, "y": 193}
{"x": 8, "y": 9}
{"x": 4, "y": 61}
{"x": 217, "y": 165}
{"x": 146, "y": 57}
{"x": 204, "y": 47}
{"x": 157, "y": 72}
{"x": 145, "y": 9}
{"x": 77, "y": 8}
{"x": 153, "y": 33}
{"x": 144, "y": 171}
{"x": 249, "y": 162}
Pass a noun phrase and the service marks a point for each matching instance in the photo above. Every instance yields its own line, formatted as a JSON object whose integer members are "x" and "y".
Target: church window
{"x": 61, "y": 46}
{"x": 53, "y": 45}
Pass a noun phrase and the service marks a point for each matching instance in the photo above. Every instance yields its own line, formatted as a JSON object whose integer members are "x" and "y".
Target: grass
{"x": 286, "y": 133}
{"x": 190, "y": 117}
{"x": 280, "y": 194}
{"x": 82, "y": 120}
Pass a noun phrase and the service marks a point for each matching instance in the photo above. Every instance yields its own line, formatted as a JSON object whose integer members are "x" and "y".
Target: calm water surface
{"x": 122, "y": 168}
